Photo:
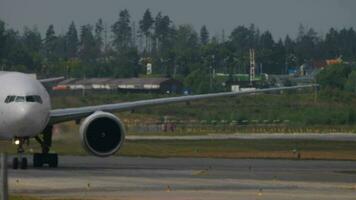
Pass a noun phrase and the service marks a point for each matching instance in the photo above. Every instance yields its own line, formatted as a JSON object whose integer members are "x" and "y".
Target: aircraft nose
{"x": 22, "y": 109}
{"x": 27, "y": 116}
{"x": 24, "y": 112}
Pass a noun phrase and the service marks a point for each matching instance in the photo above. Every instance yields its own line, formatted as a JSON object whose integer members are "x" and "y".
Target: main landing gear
{"x": 39, "y": 159}
{"x": 45, "y": 158}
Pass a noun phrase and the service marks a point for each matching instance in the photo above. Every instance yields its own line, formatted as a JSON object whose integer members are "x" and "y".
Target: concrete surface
{"x": 187, "y": 178}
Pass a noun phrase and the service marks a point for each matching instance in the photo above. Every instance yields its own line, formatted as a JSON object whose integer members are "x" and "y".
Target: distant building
{"x": 232, "y": 81}
{"x": 292, "y": 71}
{"x": 162, "y": 85}
{"x": 319, "y": 64}
{"x": 148, "y": 68}
{"x": 159, "y": 85}
{"x": 334, "y": 61}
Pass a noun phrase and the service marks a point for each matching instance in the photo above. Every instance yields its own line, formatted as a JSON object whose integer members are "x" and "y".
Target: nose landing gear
{"x": 20, "y": 161}
{"x": 39, "y": 159}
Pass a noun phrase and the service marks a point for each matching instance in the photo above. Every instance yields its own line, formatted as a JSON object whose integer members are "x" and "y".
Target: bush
{"x": 351, "y": 82}
{"x": 334, "y": 76}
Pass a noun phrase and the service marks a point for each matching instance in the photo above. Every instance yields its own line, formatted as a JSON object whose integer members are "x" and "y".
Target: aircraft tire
{"x": 23, "y": 164}
{"x": 15, "y": 163}
{"x": 53, "y": 160}
{"x": 40, "y": 159}
{"x": 37, "y": 160}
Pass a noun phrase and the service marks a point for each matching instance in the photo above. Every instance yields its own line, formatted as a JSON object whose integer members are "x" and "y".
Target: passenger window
{"x": 20, "y": 99}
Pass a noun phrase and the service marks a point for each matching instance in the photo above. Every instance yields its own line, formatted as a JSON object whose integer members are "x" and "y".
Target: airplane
{"x": 25, "y": 112}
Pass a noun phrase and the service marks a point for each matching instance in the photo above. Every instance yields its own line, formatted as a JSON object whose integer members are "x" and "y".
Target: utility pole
{"x": 252, "y": 66}
{"x": 211, "y": 77}
{"x": 211, "y": 68}
{"x": 4, "y": 184}
{"x": 315, "y": 93}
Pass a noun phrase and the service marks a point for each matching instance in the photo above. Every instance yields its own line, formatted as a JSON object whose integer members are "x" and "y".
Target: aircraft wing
{"x": 70, "y": 114}
{"x": 50, "y": 80}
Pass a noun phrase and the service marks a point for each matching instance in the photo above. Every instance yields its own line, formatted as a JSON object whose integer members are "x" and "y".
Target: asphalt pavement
{"x": 251, "y": 136}
{"x": 87, "y": 177}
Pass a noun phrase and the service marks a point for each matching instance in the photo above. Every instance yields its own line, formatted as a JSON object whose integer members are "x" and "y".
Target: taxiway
{"x": 187, "y": 178}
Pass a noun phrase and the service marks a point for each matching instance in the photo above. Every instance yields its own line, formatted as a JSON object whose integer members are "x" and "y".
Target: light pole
{"x": 4, "y": 183}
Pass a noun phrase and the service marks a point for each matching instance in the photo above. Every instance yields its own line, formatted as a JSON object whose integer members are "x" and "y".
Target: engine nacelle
{"x": 102, "y": 134}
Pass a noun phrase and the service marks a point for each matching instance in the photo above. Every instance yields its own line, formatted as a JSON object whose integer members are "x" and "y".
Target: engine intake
{"x": 102, "y": 134}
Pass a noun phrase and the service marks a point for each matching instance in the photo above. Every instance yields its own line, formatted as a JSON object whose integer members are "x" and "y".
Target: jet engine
{"x": 102, "y": 134}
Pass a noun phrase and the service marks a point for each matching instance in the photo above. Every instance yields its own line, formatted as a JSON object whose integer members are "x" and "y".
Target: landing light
{"x": 17, "y": 142}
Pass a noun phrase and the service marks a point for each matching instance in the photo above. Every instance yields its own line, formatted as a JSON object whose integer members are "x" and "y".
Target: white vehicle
{"x": 25, "y": 112}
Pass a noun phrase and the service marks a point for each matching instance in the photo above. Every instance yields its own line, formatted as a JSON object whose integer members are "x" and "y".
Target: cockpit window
{"x": 34, "y": 99}
{"x": 20, "y": 99}
{"x": 38, "y": 99}
{"x": 10, "y": 99}
{"x": 30, "y": 99}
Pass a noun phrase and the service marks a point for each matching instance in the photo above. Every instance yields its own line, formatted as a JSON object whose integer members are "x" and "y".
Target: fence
{"x": 225, "y": 126}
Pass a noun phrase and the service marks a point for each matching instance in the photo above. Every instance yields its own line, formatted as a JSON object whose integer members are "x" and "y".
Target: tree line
{"x": 123, "y": 48}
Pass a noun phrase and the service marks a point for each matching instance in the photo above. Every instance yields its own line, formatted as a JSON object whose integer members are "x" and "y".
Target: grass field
{"x": 266, "y": 149}
{"x": 305, "y": 115}
{"x": 33, "y": 198}
{"x": 24, "y": 198}
{"x": 302, "y": 110}
{"x": 272, "y": 149}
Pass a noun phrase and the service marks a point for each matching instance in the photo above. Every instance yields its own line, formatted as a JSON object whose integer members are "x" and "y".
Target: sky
{"x": 281, "y": 17}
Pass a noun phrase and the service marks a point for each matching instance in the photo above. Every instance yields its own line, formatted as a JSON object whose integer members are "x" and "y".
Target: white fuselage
{"x": 23, "y": 115}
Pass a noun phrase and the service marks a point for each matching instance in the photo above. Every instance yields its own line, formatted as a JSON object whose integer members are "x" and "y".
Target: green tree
{"x": 185, "y": 49}
{"x": 17, "y": 56}
{"x": 278, "y": 58}
{"x": 163, "y": 32}
{"x": 266, "y": 52}
{"x": 127, "y": 64}
{"x": 146, "y": 25}
{"x": 2, "y": 39}
{"x": 204, "y": 35}
{"x": 122, "y": 31}
{"x": 241, "y": 40}
{"x": 350, "y": 84}
{"x": 88, "y": 50}
{"x": 331, "y": 44}
{"x": 307, "y": 45}
{"x": 32, "y": 39}
{"x": 334, "y": 77}
{"x": 50, "y": 43}
{"x": 347, "y": 48}
{"x": 289, "y": 45}
{"x": 72, "y": 41}
{"x": 32, "y": 42}
{"x": 99, "y": 29}
{"x": 198, "y": 81}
